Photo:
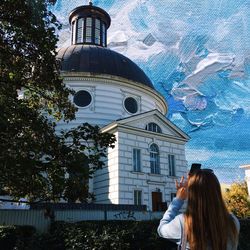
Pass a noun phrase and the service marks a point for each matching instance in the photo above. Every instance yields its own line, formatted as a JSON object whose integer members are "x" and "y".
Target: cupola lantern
{"x": 89, "y": 25}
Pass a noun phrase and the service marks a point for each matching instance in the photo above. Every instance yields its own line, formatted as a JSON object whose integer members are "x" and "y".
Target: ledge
{"x": 156, "y": 182}
{"x": 172, "y": 176}
{"x": 137, "y": 172}
{"x": 157, "y": 175}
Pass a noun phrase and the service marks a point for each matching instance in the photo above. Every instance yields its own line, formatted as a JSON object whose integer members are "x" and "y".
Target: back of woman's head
{"x": 207, "y": 220}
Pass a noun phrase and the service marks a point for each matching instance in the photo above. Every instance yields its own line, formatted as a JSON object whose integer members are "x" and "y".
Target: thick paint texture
{"x": 197, "y": 54}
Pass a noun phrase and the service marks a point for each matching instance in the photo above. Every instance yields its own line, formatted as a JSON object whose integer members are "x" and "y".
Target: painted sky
{"x": 197, "y": 54}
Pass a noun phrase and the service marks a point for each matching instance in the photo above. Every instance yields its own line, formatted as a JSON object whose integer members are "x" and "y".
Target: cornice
{"x": 109, "y": 79}
{"x": 145, "y": 133}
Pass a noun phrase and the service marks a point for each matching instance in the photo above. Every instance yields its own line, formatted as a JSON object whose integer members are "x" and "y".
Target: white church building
{"x": 115, "y": 94}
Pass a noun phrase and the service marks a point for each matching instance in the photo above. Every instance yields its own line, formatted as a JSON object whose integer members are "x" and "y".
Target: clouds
{"x": 197, "y": 55}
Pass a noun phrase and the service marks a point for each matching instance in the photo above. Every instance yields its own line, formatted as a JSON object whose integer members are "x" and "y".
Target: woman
{"x": 206, "y": 224}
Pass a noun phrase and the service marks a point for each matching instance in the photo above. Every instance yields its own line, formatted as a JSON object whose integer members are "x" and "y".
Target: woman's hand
{"x": 181, "y": 189}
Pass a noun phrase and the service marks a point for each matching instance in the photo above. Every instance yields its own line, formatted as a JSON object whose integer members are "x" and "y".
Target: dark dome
{"x": 100, "y": 60}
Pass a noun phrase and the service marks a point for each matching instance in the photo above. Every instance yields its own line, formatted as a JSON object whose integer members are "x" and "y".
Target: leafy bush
{"x": 16, "y": 237}
{"x": 237, "y": 201}
{"x": 244, "y": 242}
{"x": 115, "y": 235}
{"x": 7, "y": 237}
{"x": 96, "y": 235}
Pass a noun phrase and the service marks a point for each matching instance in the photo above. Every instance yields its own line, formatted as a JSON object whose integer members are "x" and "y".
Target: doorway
{"x": 156, "y": 201}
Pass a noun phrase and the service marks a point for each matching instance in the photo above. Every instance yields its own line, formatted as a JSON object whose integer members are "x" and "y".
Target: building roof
{"x": 174, "y": 131}
{"x": 90, "y": 10}
{"x": 100, "y": 60}
{"x": 245, "y": 166}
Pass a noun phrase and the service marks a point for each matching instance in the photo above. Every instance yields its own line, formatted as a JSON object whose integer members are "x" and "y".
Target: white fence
{"x": 41, "y": 222}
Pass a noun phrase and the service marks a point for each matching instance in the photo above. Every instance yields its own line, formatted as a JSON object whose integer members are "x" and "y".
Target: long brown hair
{"x": 207, "y": 220}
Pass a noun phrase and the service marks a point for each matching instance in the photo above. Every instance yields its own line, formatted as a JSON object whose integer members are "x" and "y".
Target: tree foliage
{"x": 28, "y": 62}
{"x": 237, "y": 200}
{"x": 34, "y": 159}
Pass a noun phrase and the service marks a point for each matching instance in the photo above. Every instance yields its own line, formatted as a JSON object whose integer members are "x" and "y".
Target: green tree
{"x": 34, "y": 159}
{"x": 237, "y": 201}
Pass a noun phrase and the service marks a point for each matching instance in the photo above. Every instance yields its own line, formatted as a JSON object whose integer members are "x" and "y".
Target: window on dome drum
{"x": 97, "y": 31}
{"x": 153, "y": 127}
{"x": 131, "y": 105}
{"x": 82, "y": 98}
{"x": 80, "y": 25}
{"x": 137, "y": 197}
{"x": 136, "y": 159}
{"x": 154, "y": 159}
{"x": 103, "y": 35}
{"x": 73, "y": 32}
{"x": 171, "y": 165}
{"x": 88, "y": 37}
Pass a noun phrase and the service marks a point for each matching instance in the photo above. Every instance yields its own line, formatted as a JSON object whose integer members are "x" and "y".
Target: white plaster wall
{"x": 145, "y": 181}
{"x": 106, "y": 180}
{"x": 247, "y": 177}
{"x": 107, "y": 101}
{"x": 116, "y": 182}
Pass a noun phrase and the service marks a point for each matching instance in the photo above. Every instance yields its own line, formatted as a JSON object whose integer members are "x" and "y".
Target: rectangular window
{"x": 97, "y": 36}
{"x": 137, "y": 197}
{"x": 80, "y": 30}
{"x": 97, "y": 31}
{"x": 136, "y": 160}
{"x": 88, "y": 29}
{"x": 154, "y": 163}
{"x": 171, "y": 165}
{"x": 103, "y": 35}
{"x": 73, "y": 33}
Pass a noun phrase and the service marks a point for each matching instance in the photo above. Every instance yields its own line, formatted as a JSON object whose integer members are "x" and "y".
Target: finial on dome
{"x": 90, "y": 2}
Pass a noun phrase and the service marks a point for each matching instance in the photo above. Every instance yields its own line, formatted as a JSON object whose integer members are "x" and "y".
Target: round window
{"x": 82, "y": 98}
{"x": 131, "y": 105}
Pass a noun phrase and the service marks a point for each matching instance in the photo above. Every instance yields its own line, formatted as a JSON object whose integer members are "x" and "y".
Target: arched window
{"x": 153, "y": 127}
{"x": 154, "y": 159}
